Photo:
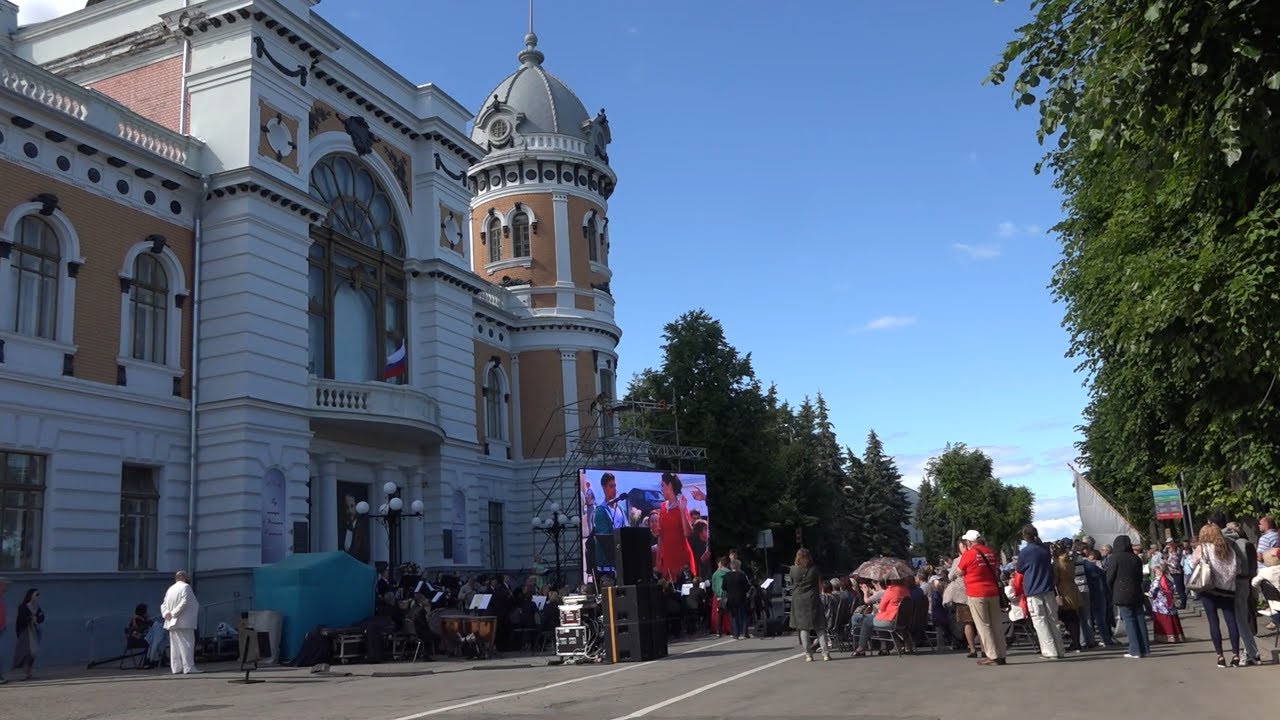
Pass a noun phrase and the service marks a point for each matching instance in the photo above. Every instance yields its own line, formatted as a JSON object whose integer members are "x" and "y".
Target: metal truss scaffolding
{"x": 614, "y": 434}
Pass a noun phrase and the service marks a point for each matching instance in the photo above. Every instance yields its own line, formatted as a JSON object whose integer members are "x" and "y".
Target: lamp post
{"x": 390, "y": 513}
{"x": 555, "y": 526}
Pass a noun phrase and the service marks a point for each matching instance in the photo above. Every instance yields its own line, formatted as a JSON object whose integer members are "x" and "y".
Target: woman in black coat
{"x": 1124, "y": 577}
{"x": 806, "y": 605}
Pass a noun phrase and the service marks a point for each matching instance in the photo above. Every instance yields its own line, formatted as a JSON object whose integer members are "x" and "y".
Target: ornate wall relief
{"x": 324, "y": 118}
{"x": 277, "y": 136}
{"x": 451, "y": 222}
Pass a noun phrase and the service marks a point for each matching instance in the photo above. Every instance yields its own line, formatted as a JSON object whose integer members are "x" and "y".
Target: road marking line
{"x": 680, "y": 698}
{"x": 552, "y": 686}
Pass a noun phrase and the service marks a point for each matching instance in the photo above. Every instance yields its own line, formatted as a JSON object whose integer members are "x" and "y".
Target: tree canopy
{"x": 774, "y": 466}
{"x": 1159, "y": 120}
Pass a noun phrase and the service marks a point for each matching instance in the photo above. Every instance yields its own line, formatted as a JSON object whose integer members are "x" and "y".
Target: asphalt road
{"x": 710, "y": 678}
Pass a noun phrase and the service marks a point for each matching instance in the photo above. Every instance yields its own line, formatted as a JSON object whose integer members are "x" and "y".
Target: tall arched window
{"x": 493, "y": 391}
{"x": 593, "y": 242}
{"x": 149, "y": 309}
{"x": 494, "y": 238}
{"x": 33, "y": 280}
{"x": 520, "y": 235}
{"x": 357, "y": 284}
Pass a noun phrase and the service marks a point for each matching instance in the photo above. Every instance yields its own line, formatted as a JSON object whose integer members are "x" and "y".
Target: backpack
{"x": 1246, "y": 558}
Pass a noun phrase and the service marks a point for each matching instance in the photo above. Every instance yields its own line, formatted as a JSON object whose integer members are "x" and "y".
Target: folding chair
{"x": 135, "y": 651}
{"x": 1271, "y": 594}
{"x": 900, "y": 635}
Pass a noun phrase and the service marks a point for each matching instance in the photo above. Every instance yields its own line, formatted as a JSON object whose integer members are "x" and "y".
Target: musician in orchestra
{"x": 420, "y": 615}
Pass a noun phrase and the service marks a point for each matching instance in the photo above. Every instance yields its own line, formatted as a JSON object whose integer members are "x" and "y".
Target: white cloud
{"x": 973, "y": 157}
{"x": 1032, "y": 229}
{"x": 977, "y": 252}
{"x": 1056, "y": 517}
{"x": 888, "y": 322}
{"x": 34, "y": 11}
{"x": 1007, "y": 229}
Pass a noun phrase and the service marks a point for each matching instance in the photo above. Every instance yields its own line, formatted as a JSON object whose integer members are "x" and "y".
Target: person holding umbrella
{"x": 892, "y": 574}
{"x": 806, "y": 607}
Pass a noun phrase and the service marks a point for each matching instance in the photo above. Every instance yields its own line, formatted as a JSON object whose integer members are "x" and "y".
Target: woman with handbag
{"x": 30, "y": 618}
{"x": 1213, "y": 578}
{"x": 1124, "y": 577}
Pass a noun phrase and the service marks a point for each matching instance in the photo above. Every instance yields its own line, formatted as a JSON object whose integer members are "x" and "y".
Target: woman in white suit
{"x": 181, "y": 612}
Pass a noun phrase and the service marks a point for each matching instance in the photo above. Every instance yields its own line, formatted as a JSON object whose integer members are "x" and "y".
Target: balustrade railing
{"x": 96, "y": 110}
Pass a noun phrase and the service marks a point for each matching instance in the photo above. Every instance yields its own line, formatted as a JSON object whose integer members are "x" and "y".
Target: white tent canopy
{"x": 1100, "y": 519}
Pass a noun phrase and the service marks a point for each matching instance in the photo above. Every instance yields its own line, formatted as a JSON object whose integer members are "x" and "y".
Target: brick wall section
{"x": 153, "y": 91}
{"x": 106, "y": 230}
{"x": 542, "y": 244}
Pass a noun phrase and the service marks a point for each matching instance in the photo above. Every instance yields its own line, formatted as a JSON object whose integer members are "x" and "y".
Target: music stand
{"x": 250, "y": 651}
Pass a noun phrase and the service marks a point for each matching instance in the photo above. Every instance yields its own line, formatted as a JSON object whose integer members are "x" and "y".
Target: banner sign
{"x": 1168, "y": 501}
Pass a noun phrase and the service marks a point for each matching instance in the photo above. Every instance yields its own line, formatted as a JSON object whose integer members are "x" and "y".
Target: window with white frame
{"x": 495, "y": 428}
{"x": 139, "y": 517}
{"x": 21, "y": 510}
{"x": 149, "y": 309}
{"x": 520, "y": 247}
{"x": 593, "y": 242}
{"x": 34, "y": 270}
{"x": 493, "y": 236}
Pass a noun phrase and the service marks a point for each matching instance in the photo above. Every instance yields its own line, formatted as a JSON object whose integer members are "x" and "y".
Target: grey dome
{"x": 541, "y": 101}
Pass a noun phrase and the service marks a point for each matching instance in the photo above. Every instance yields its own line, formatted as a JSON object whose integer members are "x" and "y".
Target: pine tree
{"x": 886, "y": 504}
{"x": 931, "y": 523}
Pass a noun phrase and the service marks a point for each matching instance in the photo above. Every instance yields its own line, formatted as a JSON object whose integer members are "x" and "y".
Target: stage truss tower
{"x": 613, "y": 434}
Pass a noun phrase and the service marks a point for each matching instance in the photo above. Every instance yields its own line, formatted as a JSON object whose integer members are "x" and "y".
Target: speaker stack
{"x": 635, "y": 623}
{"x": 633, "y": 556}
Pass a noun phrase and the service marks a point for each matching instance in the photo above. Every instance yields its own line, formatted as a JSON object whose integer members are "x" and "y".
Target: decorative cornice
{"x": 252, "y": 188}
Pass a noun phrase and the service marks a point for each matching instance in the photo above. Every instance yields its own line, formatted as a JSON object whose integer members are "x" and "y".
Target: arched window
{"x": 495, "y": 428}
{"x": 33, "y": 280}
{"x": 149, "y": 309}
{"x": 357, "y": 283}
{"x": 520, "y": 235}
{"x": 593, "y": 242}
{"x": 494, "y": 237}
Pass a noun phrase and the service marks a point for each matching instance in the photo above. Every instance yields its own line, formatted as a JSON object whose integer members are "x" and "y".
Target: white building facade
{"x": 358, "y": 281}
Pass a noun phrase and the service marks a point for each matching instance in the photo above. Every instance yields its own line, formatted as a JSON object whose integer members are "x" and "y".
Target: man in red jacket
{"x": 981, "y": 573}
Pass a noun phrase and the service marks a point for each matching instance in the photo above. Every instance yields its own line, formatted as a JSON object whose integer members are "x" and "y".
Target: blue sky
{"x": 829, "y": 179}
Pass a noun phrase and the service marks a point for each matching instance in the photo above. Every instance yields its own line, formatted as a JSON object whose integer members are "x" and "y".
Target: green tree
{"x": 931, "y": 523}
{"x": 969, "y": 496}
{"x": 719, "y": 405}
{"x": 1161, "y": 121}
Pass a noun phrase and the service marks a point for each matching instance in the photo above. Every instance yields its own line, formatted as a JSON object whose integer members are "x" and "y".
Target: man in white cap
{"x": 181, "y": 612}
{"x": 981, "y": 573}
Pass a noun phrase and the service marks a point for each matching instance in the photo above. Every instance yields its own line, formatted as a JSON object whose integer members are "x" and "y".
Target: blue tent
{"x": 309, "y": 589}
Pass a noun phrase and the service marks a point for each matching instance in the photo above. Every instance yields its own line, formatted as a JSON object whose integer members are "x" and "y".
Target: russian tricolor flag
{"x": 395, "y": 363}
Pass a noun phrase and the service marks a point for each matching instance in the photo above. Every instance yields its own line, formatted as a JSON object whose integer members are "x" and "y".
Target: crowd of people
{"x": 1065, "y": 596}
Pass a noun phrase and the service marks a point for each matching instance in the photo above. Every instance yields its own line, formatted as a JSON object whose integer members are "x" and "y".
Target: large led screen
{"x": 672, "y": 505}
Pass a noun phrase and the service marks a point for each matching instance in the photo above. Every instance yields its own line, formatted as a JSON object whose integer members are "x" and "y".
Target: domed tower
{"x": 540, "y": 229}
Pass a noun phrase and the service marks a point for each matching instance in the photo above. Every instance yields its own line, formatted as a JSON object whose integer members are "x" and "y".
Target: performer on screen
{"x": 674, "y": 529}
{"x": 608, "y": 516}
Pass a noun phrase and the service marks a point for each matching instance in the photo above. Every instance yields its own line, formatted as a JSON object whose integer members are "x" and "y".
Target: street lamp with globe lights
{"x": 554, "y": 526}
{"x": 390, "y": 513}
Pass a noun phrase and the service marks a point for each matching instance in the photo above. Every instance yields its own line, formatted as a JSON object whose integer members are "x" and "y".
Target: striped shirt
{"x": 1269, "y": 540}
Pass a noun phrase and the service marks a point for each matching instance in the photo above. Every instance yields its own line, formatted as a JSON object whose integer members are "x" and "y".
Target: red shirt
{"x": 889, "y": 602}
{"x": 978, "y": 564}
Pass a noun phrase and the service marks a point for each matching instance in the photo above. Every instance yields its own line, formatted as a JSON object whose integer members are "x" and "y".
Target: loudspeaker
{"x": 637, "y": 641}
{"x": 633, "y": 603}
{"x": 633, "y": 555}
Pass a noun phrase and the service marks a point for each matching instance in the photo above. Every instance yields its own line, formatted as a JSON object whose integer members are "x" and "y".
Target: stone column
{"x": 325, "y": 503}
{"x": 517, "y": 446}
{"x": 415, "y": 535}
{"x": 569, "y": 373}
{"x": 564, "y": 268}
